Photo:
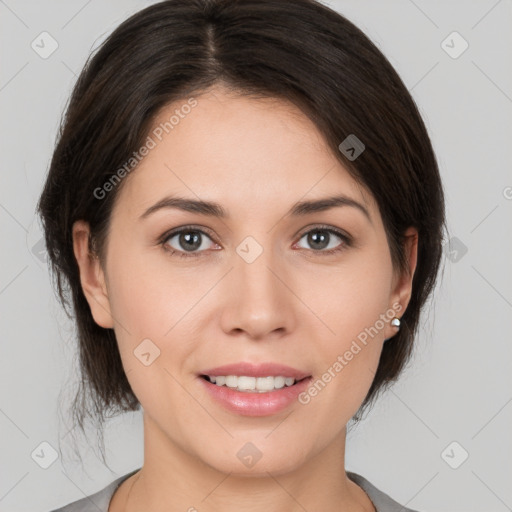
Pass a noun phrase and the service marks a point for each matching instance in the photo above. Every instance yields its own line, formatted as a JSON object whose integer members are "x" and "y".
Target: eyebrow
{"x": 213, "y": 209}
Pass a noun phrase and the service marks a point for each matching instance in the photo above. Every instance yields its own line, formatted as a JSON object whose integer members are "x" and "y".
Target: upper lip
{"x": 256, "y": 370}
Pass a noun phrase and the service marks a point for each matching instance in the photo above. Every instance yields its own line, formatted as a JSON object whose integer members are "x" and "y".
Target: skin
{"x": 293, "y": 305}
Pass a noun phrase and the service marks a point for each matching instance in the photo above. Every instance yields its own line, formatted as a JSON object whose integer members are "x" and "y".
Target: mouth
{"x": 254, "y": 395}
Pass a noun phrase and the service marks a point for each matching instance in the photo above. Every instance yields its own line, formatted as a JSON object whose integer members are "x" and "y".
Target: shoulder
{"x": 97, "y": 502}
{"x": 381, "y": 501}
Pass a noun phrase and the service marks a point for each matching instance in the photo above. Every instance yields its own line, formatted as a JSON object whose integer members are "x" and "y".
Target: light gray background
{"x": 457, "y": 387}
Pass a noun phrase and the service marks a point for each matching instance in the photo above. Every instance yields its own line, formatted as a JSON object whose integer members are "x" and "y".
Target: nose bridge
{"x": 252, "y": 269}
{"x": 259, "y": 302}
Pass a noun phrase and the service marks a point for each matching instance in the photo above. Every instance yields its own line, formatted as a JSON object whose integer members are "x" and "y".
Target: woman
{"x": 246, "y": 210}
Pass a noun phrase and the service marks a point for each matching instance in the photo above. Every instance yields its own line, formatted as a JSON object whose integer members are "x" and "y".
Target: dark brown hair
{"x": 300, "y": 51}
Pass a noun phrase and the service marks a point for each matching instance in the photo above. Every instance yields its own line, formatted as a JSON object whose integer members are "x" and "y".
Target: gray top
{"x": 99, "y": 502}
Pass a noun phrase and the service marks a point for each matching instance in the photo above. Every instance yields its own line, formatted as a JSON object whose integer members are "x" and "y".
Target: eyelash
{"x": 347, "y": 241}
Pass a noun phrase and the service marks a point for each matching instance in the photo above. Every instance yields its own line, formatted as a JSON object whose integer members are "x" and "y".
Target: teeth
{"x": 252, "y": 384}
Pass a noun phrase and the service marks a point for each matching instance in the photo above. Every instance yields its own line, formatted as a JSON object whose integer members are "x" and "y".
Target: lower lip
{"x": 255, "y": 404}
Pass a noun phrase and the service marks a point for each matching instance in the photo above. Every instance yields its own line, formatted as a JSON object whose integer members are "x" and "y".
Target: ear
{"x": 91, "y": 276}
{"x": 402, "y": 287}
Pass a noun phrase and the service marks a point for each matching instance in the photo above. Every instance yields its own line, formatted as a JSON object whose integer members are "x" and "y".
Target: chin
{"x": 256, "y": 459}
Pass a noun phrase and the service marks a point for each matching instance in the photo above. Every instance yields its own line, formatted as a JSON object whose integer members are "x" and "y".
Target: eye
{"x": 320, "y": 238}
{"x": 188, "y": 241}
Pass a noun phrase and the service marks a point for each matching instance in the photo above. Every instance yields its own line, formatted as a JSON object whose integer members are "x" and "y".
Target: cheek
{"x": 356, "y": 311}
{"x": 352, "y": 297}
{"x": 149, "y": 295}
{"x": 158, "y": 308}
{"x": 152, "y": 313}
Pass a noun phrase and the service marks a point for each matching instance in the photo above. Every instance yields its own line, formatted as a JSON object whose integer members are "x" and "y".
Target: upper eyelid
{"x": 176, "y": 231}
{"x": 326, "y": 227}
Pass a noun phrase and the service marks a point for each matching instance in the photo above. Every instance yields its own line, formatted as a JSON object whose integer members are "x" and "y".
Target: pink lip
{"x": 254, "y": 404}
{"x": 256, "y": 370}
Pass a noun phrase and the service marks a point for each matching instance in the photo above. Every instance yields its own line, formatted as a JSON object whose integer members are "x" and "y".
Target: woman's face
{"x": 259, "y": 285}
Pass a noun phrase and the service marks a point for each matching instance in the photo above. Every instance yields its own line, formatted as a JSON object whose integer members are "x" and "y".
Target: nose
{"x": 259, "y": 298}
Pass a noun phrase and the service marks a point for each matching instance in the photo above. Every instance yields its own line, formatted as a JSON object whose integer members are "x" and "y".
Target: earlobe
{"x": 92, "y": 277}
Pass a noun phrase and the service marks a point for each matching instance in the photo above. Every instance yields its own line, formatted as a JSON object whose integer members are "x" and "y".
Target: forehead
{"x": 246, "y": 153}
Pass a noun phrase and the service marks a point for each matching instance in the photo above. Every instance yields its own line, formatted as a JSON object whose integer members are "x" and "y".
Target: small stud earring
{"x": 395, "y": 322}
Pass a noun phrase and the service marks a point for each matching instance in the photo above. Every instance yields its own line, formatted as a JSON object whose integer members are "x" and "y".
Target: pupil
{"x": 320, "y": 242}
